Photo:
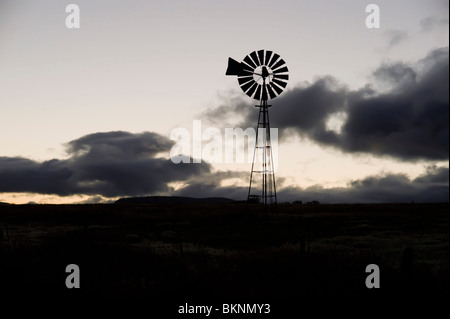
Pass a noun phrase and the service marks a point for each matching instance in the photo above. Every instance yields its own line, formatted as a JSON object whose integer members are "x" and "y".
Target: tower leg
{"x": 262, "y": 188}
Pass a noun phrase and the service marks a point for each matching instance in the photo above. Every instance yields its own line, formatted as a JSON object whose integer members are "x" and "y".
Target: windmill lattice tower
{"x": 262, "y": 75}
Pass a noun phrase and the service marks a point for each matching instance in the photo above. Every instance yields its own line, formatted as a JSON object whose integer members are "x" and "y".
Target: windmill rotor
{"x": 262, "y": 74}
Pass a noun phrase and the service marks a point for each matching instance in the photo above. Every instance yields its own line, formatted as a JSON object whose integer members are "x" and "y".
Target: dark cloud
{"x": 213, "y": 190}
{"x": 434, "y": 175}
{"x": 108, "y": 164}
{"x": 395, "y": 37}
{"x": 24, "y": 175}
{"x": 231, "y": 109}
{"x": 409, "y": 121}
{"x": 210, "y": 186}
{"x": 390, "y": 188}
{"x": 308, "y": 107}
{"x": 124, "y": 164}
{"x": 96, "y": 200}
{"x": 119, "y": 145}
{"x": 397, "y": 75}
{"x": 429, "y": 23}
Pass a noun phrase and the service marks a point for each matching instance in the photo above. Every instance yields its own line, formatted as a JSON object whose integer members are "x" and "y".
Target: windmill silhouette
{"x": 262, "y": 75}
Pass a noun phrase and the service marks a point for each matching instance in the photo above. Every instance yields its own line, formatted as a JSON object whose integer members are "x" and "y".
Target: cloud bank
{"x": 115, "y": 164}
{"x": 432, "y": 186}
{"x": 406, "y": 120}
{"x": 109, "y": 164}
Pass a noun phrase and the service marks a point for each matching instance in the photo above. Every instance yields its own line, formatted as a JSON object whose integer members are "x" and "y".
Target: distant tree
{"x": 298, "y": 202}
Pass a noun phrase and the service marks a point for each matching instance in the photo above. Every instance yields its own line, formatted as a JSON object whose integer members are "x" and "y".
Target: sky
{"x": 86, "y": 113}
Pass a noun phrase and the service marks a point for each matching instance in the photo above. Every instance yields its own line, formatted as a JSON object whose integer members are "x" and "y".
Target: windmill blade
{"x": 268, "y": 55}
{"x": 280, "y": 83}
{"x": 250, "y": 62}
{"x": 285, "y": 69}
{"x": 254, "y": 56}
{"x": 278, "y": 64}
{"x": 252, "y": 89}
{"x": 258, "y": 93}
{"x": 244, "y": 79}
{"x": 281, "y": 76}
{"x": 245, "y": 72}
{"x": 246, "y": 67}
{"x": 277, "y": 88}
{"x": 274, "y": 59}
{"x": 272, "y": 94}
{"x": 247, "y": 85}
{"x": 261, "y": 57}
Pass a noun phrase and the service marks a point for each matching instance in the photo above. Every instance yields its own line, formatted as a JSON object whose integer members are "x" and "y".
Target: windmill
{"x": 262, "y": 75}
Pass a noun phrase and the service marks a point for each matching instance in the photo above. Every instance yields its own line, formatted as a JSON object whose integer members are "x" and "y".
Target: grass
{"x": 223, "y": 251}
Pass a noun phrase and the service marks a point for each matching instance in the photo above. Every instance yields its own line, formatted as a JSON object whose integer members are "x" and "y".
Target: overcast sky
{"x": 86, "y": 114}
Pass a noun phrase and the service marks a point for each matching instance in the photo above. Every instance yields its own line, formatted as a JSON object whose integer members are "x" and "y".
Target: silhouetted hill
{"x": 3, "y": 203}
{"x": 173, "y": 200}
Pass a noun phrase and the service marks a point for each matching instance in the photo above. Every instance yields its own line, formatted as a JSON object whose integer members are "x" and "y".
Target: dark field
{"x": 223, "y": 252}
